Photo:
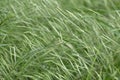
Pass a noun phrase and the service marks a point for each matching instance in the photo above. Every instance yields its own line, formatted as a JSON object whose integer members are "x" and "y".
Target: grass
{"x": 59, "y": 40}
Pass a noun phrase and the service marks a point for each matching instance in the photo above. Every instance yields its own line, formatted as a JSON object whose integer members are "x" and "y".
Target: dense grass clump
{"x": 59, "y": 40}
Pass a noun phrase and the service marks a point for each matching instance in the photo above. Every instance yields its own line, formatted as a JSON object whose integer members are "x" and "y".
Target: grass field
{"x": 59, "y": 40}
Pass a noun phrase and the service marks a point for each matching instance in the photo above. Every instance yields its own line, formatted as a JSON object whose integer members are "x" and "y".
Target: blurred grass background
{"x": 59, "y": 40}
